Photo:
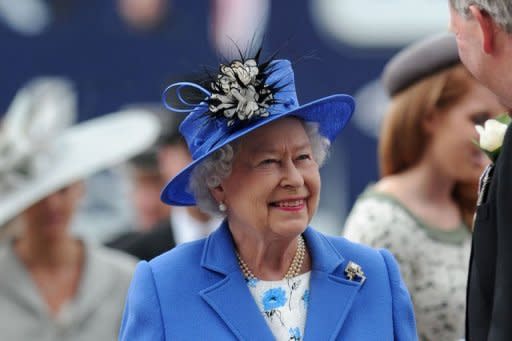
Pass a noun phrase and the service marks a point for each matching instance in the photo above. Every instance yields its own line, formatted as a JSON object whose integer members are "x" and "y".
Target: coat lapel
{"x": 331, "y": 294}
{"x": 16, "y": 281}
{"x": 230, "y": 297}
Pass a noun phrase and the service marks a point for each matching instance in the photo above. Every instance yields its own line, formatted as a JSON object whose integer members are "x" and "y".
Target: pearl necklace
{"x": 293, "y": 270}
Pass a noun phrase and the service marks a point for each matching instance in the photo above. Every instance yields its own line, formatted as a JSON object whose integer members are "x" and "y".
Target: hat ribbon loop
{"x": 187, "y": 106}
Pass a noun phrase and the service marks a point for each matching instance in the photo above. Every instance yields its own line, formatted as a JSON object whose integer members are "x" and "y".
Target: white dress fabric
{"x": 283, "y": 304}
{"x": 94, "y": 314}
{"x": 433, "y": 263}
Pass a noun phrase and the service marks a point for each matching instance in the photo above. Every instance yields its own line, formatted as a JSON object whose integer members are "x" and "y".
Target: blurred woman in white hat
{"x": 54, "y": 286}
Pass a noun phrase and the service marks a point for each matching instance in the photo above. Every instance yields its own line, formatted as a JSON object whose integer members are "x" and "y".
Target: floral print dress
{"x": 283, "y": 304}
{"x": 433, "y": 262}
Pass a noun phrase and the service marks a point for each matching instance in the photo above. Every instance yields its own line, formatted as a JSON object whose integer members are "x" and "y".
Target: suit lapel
{"x": 230, "y": 297}
{"x": 331, "y": 295}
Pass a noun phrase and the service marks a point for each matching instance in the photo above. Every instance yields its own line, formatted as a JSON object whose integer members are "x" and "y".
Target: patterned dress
{"x": 283, "y": 304}
{"x": 433, "y": 263}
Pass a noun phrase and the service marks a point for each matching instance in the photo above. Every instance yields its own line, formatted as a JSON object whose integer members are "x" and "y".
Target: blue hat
{"x": 243, "y": 97}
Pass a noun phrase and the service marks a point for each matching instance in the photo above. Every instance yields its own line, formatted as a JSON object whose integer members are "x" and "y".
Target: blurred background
{"x": 121, "y": 52}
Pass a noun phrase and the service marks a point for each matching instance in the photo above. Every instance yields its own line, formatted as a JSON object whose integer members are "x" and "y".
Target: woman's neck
{"x": 427, "y": 193}
{"x": 43, "y": 253}
{"x": 424, "y": 182}
{"x": 55, "y": 268}
{"x": 268, "y": 258}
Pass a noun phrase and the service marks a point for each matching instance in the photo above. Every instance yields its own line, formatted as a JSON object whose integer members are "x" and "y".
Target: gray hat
{"x": 419, "y": 60}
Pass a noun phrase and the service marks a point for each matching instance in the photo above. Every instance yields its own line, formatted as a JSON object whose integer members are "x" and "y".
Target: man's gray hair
{"x": 216, "y": 167}
{"x": 499, "y": 10}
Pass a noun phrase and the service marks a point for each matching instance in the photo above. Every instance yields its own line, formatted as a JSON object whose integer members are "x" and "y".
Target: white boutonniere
{"x": 492, "y": 134}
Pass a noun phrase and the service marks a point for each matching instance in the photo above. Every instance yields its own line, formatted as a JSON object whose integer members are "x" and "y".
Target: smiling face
{"x": 274, "y": 185}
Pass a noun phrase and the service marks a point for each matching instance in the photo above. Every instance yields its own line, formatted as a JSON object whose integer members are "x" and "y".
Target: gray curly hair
{"x": 499, "y": 10}
{"x": 211, "y": 171}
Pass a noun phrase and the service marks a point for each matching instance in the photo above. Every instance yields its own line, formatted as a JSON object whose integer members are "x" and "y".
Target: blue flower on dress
{"x": 295, "y": 334}
{"x": 273, "y": 299}
{"x": 305, "y": 298}
{"x": 252, "y": 282}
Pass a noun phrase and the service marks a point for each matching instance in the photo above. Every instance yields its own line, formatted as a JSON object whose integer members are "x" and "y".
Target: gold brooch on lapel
{"x": 354, "y": 272}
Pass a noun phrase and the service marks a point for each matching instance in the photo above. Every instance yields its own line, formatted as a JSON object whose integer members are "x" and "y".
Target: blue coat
{"x": 197, "y": 292}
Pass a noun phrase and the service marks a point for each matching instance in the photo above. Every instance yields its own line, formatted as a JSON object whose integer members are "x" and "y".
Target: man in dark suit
{"x": 148, "y": 244}
{"x": 484, "y": 36}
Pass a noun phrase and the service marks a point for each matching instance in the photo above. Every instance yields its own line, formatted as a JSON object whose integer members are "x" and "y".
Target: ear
{"x": 218, "y": 193}
{"x": 431, "y": 123}
{"x": 486, "y": 26}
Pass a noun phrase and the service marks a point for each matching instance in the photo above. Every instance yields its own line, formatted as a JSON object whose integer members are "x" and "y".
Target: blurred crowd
{"x": 67, "y": 63}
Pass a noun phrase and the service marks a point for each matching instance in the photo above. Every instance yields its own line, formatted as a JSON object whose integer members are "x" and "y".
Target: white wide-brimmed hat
{"x": 42, "y": 152}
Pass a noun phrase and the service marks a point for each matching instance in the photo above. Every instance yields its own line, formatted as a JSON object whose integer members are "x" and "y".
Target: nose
{"x": 292, "y": 177}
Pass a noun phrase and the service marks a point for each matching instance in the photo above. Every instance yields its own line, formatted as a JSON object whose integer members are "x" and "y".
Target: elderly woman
{"x": 422, "y": 207}
{"x": 55, "y": 286}
{"x": 263, "y": 274}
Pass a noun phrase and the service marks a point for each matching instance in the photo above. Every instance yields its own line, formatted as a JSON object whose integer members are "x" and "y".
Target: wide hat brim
{"x": 331, "y": 113}
{"x": 81, "y": 151}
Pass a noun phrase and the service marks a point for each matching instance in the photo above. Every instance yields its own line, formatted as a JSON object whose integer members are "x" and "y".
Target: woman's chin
{"x": 479, "y": 160}
{"x": 290, "y": 227}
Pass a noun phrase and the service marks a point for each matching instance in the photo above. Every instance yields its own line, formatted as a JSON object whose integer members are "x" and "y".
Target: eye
{"x": 304, "y": 157}
{"x": 269, "y": 161}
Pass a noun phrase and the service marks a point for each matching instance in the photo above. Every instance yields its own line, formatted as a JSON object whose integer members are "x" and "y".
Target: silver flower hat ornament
{"x": 243, "y": 96}
{"x": 239, "y": 92}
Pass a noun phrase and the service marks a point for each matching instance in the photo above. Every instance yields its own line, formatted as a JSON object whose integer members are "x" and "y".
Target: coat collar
{"x": 331, "y": 294}
{"x": 230, "y": 297}
{"x": 96, "y": 283}
{"x": 330, "y": 300}
{"x": 219, "y": 256}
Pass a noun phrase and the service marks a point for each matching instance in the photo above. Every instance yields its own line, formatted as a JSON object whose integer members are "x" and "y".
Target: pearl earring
{"x": 222, "y": 207}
